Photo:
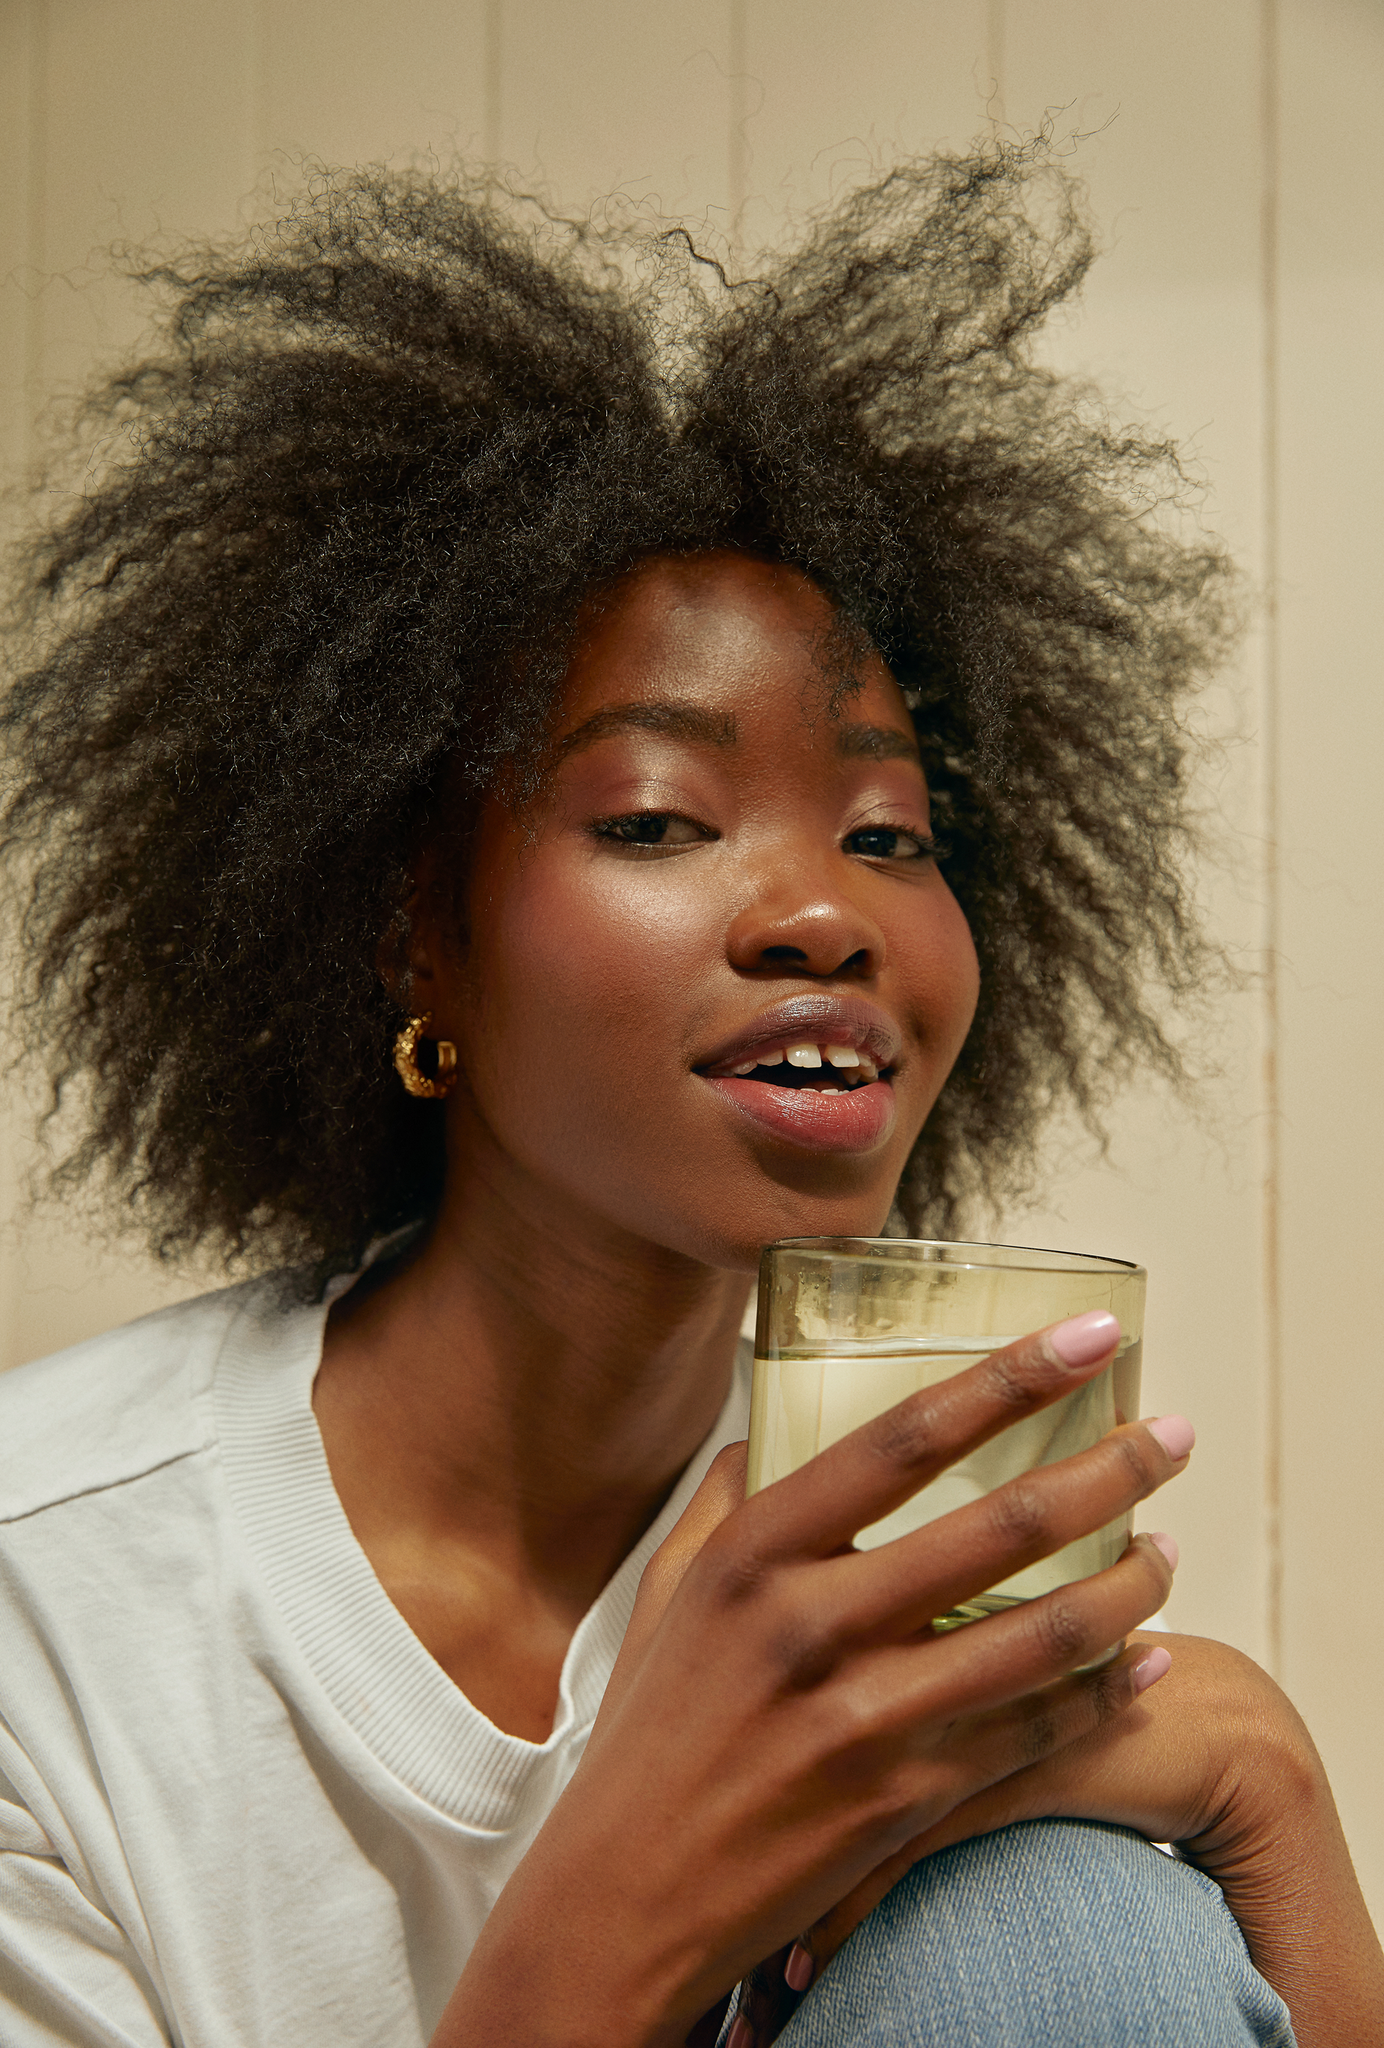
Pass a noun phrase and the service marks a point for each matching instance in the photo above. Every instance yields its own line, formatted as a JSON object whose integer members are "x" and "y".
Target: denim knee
{"x": 1068, "y": 1934}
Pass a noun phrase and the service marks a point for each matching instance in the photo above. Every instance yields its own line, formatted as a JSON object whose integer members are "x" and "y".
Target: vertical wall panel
{"x": 20, "y": 30}
{"x": 831, "y": 92}
{"x": 20, "y": 70}
{"x": 620, "y": 95}
{"x": 139, "y": 131}
{"x": 1331, "y": 846}
{"x": 146, "y": 135}
{"x": 354, "y": 84}
{"x": 1166, "y": 102}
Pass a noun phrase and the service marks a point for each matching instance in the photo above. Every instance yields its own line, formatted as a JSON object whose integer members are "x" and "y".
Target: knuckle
{"x": 803, "y": 1658}
{"x": 1062, "y": 1634}
{"x": 1159, "y": 1571}
{"x": 1037, "y": 1733}
{"x": 1019, "y": 1514}
{"x": 1010, "y": 1378}
{"x": 1132, "y": 1452}
{"x": 732, "y": 1574}
{"x": 1107, "y": 1693}
{"x": 902, "y": 1788}
{"x": 855, "y": 1721}
{"x": 907, "y": 1435}
{"x": 799, "y": 1646}
{"x": 848, "y": 1748}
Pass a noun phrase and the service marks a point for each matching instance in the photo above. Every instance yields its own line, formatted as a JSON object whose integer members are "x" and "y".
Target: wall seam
{"x": 1272, "y": 789}
{"x": 35, "y": 236}
{"x": 257, "y": 96}
{"x": 492, "y": 57}
{"x": 13, "y": 1276}
{"x": 994, "y": 61}
{"x": 737, "y": 141}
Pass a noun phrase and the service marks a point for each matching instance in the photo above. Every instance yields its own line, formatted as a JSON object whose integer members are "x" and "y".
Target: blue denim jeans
{"x": 1054, "y": 1934}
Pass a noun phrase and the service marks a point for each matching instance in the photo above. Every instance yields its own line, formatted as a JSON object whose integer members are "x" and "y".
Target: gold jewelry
{"x": 406, "y": 1061}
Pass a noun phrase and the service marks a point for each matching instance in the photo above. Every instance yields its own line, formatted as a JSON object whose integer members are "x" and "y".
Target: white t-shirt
{"x": 240, "y": 1805}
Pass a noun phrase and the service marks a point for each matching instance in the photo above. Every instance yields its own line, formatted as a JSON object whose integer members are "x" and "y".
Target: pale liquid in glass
{"x": 803, "y": 1403}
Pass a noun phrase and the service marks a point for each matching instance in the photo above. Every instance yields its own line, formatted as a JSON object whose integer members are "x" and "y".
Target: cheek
{"x": 572, "y": 981}
{"x": 960, "y": 949}
{"x": 944, "y": 975}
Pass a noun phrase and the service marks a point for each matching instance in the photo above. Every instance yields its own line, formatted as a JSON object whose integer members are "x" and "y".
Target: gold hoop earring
{"x": 406, "y": 1061}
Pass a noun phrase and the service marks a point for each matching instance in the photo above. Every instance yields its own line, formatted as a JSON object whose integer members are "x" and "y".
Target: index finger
{"x": 819, "y": 1509}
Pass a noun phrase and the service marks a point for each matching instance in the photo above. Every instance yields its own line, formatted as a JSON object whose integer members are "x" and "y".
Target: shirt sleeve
{"x": 68, "y": 1973}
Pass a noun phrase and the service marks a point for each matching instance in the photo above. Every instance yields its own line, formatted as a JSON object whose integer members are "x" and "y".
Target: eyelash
{"x": 928, "y": 847}
{"x": 609, "y": 828}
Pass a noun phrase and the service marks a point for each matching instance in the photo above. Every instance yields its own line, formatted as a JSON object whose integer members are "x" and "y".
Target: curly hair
{"x": 335, "y": 547}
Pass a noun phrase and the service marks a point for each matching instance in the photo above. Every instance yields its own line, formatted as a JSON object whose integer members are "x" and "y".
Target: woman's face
{"x": 723, "y": 870}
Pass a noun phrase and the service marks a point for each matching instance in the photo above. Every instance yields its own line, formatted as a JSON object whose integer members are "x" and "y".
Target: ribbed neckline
{"x": 372, "y": 1667}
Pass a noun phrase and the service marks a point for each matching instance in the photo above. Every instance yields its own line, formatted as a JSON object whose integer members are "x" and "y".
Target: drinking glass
{"x": 847, "y": 1326}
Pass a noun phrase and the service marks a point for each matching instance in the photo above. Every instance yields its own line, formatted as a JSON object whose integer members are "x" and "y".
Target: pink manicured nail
{"x": 1168, "y": 1545}
{"x": 1175, "y": 1433}
{"x": 742, "y": 2033}
{"x": 1083, "y": 1339}
{"x": 1151, "y": 1669}
{"x": 797, "y": 1971}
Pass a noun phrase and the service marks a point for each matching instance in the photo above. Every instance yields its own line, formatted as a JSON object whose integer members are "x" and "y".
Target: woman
{"x": 488, "y": 710}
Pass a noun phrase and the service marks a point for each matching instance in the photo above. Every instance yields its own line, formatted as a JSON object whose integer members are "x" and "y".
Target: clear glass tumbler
{"x": 847, "y": 1326}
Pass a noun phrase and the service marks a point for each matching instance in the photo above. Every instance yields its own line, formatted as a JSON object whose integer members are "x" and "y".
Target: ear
{"x": 406, "y": 958}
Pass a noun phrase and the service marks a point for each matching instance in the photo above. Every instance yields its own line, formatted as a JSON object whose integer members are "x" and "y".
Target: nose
{"x": 808, "y": 931}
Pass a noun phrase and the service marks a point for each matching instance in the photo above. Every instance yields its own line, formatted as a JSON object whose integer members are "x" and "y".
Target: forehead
{"x": 727, "y": 631}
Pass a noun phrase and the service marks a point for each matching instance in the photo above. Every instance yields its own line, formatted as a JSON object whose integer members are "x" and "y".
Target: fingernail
{"x": 1175, "y": 1433}
{"x": 1168, "y": 1545}
{"x": 1151, "y": 1669}
{"x": 797, "y": 1971}
{"x": 1081, "y": 1339}
{"x": 741, "y": 2034}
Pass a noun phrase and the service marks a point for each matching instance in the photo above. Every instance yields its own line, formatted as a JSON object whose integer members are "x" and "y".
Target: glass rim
{"x": 886, "y": 1250}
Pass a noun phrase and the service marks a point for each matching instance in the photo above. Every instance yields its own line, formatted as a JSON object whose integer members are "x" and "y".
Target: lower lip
{"x": 854, "y": 1121}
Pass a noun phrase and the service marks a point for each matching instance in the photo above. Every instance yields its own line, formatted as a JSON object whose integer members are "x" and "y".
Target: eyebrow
{"x": 876, "y": 743}
{"x": 671, "y": 721}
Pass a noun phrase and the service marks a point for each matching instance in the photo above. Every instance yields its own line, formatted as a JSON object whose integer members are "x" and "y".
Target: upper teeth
{"x": 807, "y": 1054}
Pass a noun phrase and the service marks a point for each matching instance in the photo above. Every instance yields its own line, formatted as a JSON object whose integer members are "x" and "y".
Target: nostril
{"x": 857, "y": 963}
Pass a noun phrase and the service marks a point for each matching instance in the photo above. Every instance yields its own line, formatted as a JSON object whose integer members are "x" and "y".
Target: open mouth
{"x": 826, "y": 1069}
{"x": 830, "y": 1093}
{"x": 814, "y": 1072}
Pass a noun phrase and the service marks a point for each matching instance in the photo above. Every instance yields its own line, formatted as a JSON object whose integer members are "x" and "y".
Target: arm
{"x": 1218, "y": 1761}
{"x": 781, "y": 1721}
{"x": 69, "y": 1972}
{"x": 1269, "y": 1833}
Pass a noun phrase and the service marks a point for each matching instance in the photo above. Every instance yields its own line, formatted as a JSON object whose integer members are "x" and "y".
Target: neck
{"x": 529, "y": 1383}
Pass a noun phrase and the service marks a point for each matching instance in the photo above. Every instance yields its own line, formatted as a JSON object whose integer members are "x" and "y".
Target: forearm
{"x": 550, "y": 1988}
{"x": 573, "y": 1957}
{"x": 1293, "y": 1890}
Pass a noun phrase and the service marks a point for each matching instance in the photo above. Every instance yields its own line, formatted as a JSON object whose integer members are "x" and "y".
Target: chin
{"x": 735, "y": 1243}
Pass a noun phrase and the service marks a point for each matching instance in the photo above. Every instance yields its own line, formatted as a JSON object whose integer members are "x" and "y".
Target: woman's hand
{"x": 1218, "y": 1761}
{"x": 783, "y": 1721}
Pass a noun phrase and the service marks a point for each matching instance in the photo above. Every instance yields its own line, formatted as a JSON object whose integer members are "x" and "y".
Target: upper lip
{"x": 814, "y": 1020}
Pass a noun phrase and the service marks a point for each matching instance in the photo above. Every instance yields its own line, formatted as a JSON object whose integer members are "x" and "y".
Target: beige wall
{"x": 1228, "y": 153}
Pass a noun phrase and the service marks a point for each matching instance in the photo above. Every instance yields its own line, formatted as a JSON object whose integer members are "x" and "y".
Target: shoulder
{"x": 118, "y": 1406}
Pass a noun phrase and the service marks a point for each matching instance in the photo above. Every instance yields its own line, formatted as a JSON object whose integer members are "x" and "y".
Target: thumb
{"x": 721, "y": 1492}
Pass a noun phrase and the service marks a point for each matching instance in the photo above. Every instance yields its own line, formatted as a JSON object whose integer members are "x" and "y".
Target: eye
{"x": 887, "y": 842}
{"x": 650, "y": 831}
